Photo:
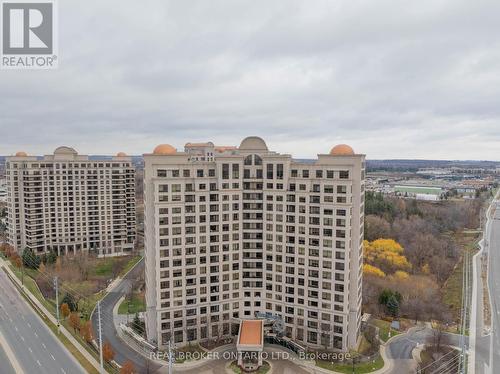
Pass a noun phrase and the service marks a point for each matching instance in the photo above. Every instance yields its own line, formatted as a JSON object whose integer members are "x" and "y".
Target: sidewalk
{"x": 51, "y": 318}
{"x": 477, "y": 317}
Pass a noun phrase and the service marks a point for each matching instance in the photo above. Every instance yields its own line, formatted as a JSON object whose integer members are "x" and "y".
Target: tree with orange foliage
{"x": 107, "y": 352}
{"x": 65, "y": 310}
{"x": 127, "y": 368}
{"x": 18, "y": 263}
{"x": 7, "y": 249}
{"x": 74, "y": 321}
{"x": 87, "y": 333}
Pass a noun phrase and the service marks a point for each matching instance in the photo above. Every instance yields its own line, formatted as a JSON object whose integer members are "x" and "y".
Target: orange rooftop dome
{"x": 21, "y": 154}
{"x": 121, "y": 154}
{"x": 342, "y": 150}
{"x": 164, "y": 149}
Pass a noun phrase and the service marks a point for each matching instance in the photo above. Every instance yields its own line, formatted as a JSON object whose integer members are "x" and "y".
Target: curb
{"x": 53, "y": 320}
{"x": 475, "y": 284}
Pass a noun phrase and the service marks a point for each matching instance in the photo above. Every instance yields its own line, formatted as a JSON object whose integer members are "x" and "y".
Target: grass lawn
{"x": 130, "y": 264}
{"x": 137, "y": 304}
{"x": 30, "y": 284}
{"x": 366, "y": 367}
{"x": 452, "y": 289}
{"x": 364, "y": 345}
{"x": 104, "y": 266}
{"x": 384, "y": 328}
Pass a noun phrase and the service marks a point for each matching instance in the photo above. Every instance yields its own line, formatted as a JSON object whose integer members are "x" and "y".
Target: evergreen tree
{"x": 138, "y": 325}
{"x": 70, "y": 300}
{"x": 30, "y": 259}
{"x": 393, "y": 306}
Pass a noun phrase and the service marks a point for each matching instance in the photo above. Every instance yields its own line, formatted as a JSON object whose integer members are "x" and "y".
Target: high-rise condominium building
{"x": 68, "y": 203}
{"x": 234, "y": 232}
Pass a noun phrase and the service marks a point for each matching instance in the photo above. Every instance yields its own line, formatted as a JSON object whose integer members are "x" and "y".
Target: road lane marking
{"x": 10, "y": 355}
{"x": 22, "y": 338}
{"x": 64, "y": 372}
{"x": 53, "y": 357}
{"x": 29, "y": 325}
{"x": 29, "y": 349}
{"x": 44, "y": 347}
{"x": 36, "y": 334}
{"x": 38, "y": 362}
{"x": 15, "y": 328}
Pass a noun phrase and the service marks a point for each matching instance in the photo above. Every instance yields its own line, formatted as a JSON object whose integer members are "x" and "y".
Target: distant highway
{"x": 34, "y": 346}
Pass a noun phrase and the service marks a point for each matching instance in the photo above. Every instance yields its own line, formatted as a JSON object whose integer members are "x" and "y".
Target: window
{"x": 225, "y": 171}
{"x": 236, "y": 171}
{"x": 279, "y": 171}
{"x": 341, "y": 189}
{"x": 270, "y": 171}
{"x": 199, "y": 173}
{"x": 344, "y": 174}
{"x": 305, "y": 173}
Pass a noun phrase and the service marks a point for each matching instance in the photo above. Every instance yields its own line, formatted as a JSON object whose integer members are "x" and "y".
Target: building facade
{"x": 67, "y": 203}
{"x": 233, "y": 232}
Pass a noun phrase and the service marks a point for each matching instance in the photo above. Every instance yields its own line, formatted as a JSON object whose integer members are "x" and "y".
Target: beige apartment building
{"x": 234, "y": 232}
{"x": 68, "y": 203}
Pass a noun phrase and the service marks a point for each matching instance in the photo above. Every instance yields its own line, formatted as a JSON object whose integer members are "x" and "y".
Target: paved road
{"x": 400, "y": 348}
{"x": 494, "y": 287}
{"x": 123, "y": 352}
{"x": 487, "y": 347}
{"x": 37, "y": 350}
{"x": 5, "y": 366}
{"x": 280, "y": 366}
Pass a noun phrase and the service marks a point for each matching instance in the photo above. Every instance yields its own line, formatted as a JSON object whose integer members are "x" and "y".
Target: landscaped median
{"x": 385, "y": 330}
{"x": 357, "y": 368}
{"x": 132, "y": 304}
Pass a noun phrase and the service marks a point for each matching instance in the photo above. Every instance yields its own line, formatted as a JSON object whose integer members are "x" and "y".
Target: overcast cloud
{"x": 395, "y": 79}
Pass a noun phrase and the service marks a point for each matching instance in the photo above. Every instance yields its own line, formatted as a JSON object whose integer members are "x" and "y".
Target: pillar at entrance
{"x": 250, "y": 344}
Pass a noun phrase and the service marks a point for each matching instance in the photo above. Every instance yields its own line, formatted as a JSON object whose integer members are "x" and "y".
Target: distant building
{"x": 68, "y": 203}
{"x": 234, "y": 232}
{"x": 419, "y": 192}
{"x": 3, "y": 190}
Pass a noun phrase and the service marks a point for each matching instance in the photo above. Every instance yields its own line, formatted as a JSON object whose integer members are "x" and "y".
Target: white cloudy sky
{"x": 395, "y": 79}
